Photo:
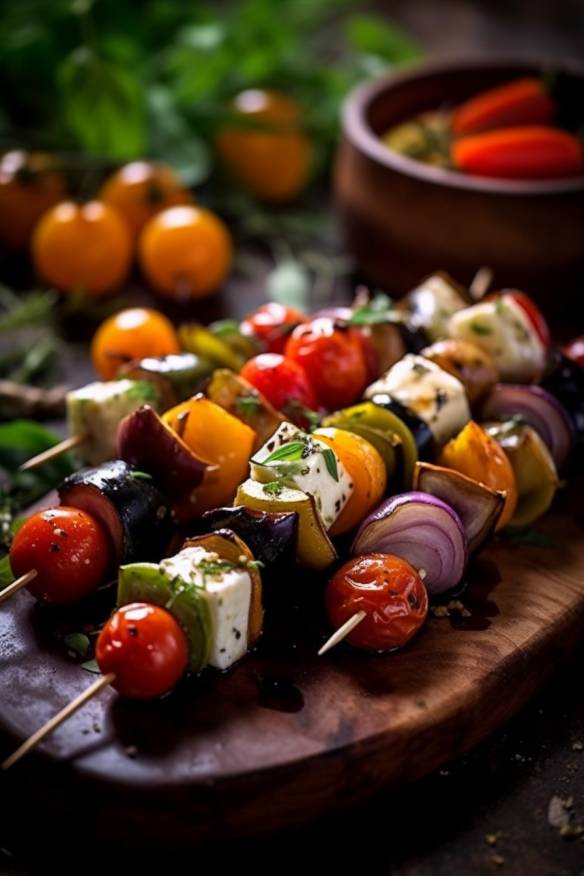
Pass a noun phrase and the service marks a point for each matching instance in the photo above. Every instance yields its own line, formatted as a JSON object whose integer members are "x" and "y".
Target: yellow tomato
{"x": 267, "y": 152}
{"x": 131, "y": 334}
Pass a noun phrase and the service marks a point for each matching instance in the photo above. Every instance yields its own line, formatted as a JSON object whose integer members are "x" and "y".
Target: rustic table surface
{"x": 515, "y": 804}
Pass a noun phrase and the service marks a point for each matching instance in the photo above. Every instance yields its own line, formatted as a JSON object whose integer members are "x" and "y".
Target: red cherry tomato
{"x": 69, "y": 549}
{"x": 333, "y": 357}
{"x": 575, "y": 350}
{"x": 391, "y": 593}
{"x": 534, "y": 315}
{"x": 283, "y": 382}
{"x": 272, "y": 324}
{"x": 146, "y": 649}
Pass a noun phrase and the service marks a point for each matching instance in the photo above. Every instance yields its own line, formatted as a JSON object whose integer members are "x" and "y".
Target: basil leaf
{"x": 291, "y": 451}
{"x": 330, "y": 461}
{"x": 378, "y": 310}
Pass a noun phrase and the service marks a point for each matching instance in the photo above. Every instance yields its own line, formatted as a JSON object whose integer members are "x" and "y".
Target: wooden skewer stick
{"x": 481, "y": 283}
{"x": 52, "y": 452}
{"x": 342, "y": 631}
{"x": 17, "y": 585}
{"x": 58, "y": 719}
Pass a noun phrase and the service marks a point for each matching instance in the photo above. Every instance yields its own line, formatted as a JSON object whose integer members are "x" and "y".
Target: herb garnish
{"x": 248, "y": 405}
{"x": 273, "y": 488}
{"x": 331, "y": 463}
{"x": 291, "y": 451}
{"x": 480, "y": 329}
{"x": 377, "y": 310}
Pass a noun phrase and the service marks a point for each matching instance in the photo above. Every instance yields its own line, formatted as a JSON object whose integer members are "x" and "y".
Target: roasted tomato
{"x": 476, "y": 454}
{"x": 283, "y": 382}
{"x": 388, "y": 590}
{"x": 575, "y": 350}
{"x": 131, "y": 334}
{"x": 141, "y": 189}
{"x": 366, "y": 470}
{"x": 69, "y": 550}
{"x": 145, "y": 648}
{"x": 85, "y": 249}
{"x": 185, "y": 252}
{"x": 30, "y": 185}
{"x": 332, "y": 354}
{"x": 272, "y": 323}
{"x": 265, "y": 149}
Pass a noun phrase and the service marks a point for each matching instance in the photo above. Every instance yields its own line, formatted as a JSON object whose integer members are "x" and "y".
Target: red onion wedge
{"x": 540, "y": 410}
{"x": 421, "y": 529}
{"x": 478, "y": 506}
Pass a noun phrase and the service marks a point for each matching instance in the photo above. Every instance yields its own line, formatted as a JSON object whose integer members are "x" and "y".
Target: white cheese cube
{"x": 302, "y": 462}
{"x": 502, "y": 328}
{"x": 432, "y": 304}
{"x": 227, "y": 592}
{"x": 432, "y": 394}
{"x": 97, "y": 410}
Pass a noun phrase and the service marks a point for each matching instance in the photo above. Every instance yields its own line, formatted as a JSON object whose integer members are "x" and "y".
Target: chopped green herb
{"x": 224, "y": 327}
{"x": 294, "y": 409}
{"x": 480, "y": 329}
{"x": 331, "y": 463}
{"x": 377, "y": 310}
{"x": 141, "y": 475}
{"x": 248, "y": 405}
{"x": 255, "y": 564}
{"x": 291, "y": 451}
{"x": 215, "y": 567}
{"x": 78, "y": 643}
{"x": 274, "y": 488}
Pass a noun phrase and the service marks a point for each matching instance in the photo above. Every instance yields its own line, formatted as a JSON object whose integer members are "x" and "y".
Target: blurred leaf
{"x": 21, "y": 439}
{"x": 102, "y": 105}
{"x": 173, "y": 142}
{"x": 6, "y": 573}
{"x": 288, "y": 284}
{"x": 373, "y": 35}
{"x": 36, "y": 308}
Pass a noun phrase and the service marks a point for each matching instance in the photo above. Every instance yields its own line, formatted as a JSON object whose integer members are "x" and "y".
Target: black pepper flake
{"x": 441, "y": 399}
{"x": 133, "y": 631}
{"x": 54, "y": 548}
{"x": 413, "y": 600}
{"x": 237, "y": 633}
{"x": 270, "y": 445}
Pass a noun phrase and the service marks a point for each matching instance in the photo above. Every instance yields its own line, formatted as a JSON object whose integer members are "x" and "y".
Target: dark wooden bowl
{"x": 403, "y": 219}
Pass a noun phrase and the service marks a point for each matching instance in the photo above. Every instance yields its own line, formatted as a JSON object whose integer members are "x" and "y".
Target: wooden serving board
{"x": 286, "y": 735}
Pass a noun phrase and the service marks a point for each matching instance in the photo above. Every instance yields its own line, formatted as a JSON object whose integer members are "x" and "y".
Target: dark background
{"x": 489, "y": 811}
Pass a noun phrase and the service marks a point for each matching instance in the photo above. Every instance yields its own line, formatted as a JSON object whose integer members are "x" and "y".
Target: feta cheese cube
{"x": 302, "y": 462}
{"x": 432, "y": 304}
{"x": 97, "y": 409}
{"x": 429, "y": 392}
{"x": 502, "y": 328}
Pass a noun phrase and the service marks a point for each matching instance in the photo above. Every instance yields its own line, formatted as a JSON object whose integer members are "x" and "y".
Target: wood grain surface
{"x": 286, "y": 735}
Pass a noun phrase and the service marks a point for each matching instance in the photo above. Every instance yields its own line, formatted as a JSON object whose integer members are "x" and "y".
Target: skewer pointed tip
{"x": 342, "y": 632}
{"x": 17, "y": 585}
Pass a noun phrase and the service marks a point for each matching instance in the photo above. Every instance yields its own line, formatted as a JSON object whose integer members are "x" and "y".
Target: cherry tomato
{"x": 29, "y": 186}
{"x": 332, "y": 356}
{"x": 70, "y": 551}
{"x": 575, "y": 350}
{"x": 534, "y": 315}
{"x": 141, "y": 189}
{"x": 146, "y": 649}
{"x": 82, "y": 248}
{"x": 131, "y": 334}
{"x": 522, "y": 102}
{"x": 269, "y": 154}
{"x": 185, "y": 252}
{"x": 532, "y": 152}
{"x": 283, "y": 382}
{"x": 272, "y": 323}
{"x": 391, "y": 593}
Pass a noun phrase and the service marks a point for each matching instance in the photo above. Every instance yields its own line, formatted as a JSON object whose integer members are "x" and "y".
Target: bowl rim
{"x": 358, "y": 132}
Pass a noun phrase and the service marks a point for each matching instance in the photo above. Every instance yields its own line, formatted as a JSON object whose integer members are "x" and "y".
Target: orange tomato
{"x": 185, "y": 252}
{"x": 82, "y": 248}
{"x": 29, "y": 186}
{"x": 131, "y": 334}
{"x": 215, "y": 435}
{"x": 141, "y": 189}
{"x": 366, "y": 470}
{"x": 267, "y": 152}
{"x": 476, "y": 454}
